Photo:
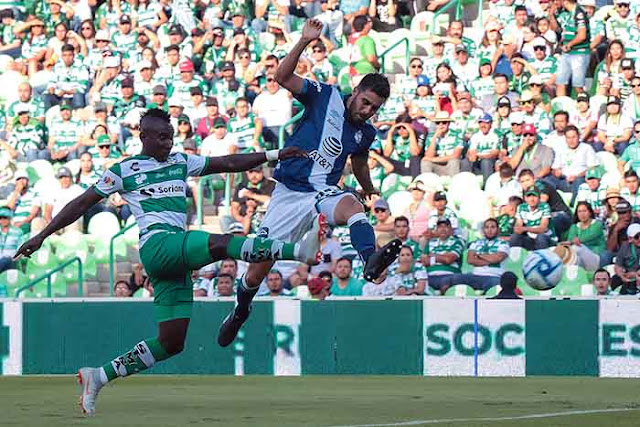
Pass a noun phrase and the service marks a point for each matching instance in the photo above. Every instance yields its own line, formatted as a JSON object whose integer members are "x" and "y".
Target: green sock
{"x": 258, "y": 249}
{"x": 143, "y": 356}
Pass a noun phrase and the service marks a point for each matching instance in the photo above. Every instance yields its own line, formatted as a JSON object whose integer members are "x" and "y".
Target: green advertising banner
{"x": 430, "y": 336}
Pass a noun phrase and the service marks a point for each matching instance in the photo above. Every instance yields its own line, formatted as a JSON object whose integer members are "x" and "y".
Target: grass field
{"x": 324, "y": 401}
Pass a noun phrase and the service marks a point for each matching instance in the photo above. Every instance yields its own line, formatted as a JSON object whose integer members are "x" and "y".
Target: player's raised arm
{"x": 243, "y": 162}
{"x": 285, "y": 73}
{"x": 68, "y": 215}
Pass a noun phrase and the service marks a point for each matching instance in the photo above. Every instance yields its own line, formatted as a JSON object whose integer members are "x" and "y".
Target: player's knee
{"x": 346, "y": 208}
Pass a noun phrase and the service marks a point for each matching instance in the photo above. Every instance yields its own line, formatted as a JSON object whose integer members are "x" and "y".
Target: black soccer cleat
{"x": 380, "y": 260}
{"x": 231, "y": 326}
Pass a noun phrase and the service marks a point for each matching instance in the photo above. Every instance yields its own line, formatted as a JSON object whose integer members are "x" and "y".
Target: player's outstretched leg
{"x": 351, "y": 212}
{"x": 234, "y": 321}
{"x": 143, "y": 356}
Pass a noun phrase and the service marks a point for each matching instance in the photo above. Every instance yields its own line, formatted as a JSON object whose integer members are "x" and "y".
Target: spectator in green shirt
{"x": 402, "y": 149}
{"x": 631, "y": 154}
{"x": 10, "y": 239}
{"x": 364, "y": 58}
{"x": 586, "y": 236}
{"x": 344, "y": 284}
{"x": 532, "y": 223}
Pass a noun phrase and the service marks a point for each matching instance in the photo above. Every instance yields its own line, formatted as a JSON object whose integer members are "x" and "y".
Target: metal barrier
{"x": 48, "y": 275}
{"x": 445, "y": 8}
{"x": 200, "y": 191}
{"x": 112, "y": 257}
{"x": 407, "y": 54}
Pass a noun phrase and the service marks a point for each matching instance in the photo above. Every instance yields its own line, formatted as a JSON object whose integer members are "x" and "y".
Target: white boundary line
{"x": 514, "y": 418}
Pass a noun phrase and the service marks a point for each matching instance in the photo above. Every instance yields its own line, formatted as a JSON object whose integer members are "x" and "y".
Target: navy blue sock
{"x": 363, "y": 238}
{"x": 245, "y": 295}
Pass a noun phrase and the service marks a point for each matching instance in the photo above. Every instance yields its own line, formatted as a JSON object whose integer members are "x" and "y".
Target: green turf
{"x": 318, "y": 401}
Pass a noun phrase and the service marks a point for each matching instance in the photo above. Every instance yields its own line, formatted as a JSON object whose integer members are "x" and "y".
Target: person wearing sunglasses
{"x": 585, "y": 118}
{"x": 534, "y": 114}
{"x": 627, "y": 275}
{"x": 619, "y": 24}
{"x": 545, "y": 65}
{"x": 614, "y": 128}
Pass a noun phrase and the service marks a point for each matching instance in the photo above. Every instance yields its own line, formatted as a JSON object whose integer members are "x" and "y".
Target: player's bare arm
{"x": 243, "y": 162}
{"x": 68, "y": 215}
{"x": 361, "y": 172}
{"x": 285, "y": 74}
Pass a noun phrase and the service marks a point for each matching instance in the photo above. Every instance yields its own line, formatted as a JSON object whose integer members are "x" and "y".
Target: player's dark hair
{"x": 359, "y": 22}
{"x": 561, "y": 113}
{"x": 526, "y": 172}
{"x": 401, "y": 218}
{"x": 155, "y": 113}
{"x": 344, "y": 259}
{"x": 377, "y": 83}
{"x": 630, "y": 174}
{"x": 67, "y": 48}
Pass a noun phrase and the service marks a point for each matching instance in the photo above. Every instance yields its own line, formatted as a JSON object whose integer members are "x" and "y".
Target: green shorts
{"x": 169, "y": 258}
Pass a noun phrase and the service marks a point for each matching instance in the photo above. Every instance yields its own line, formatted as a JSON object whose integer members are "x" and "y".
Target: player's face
{"x": 157, "y": 138}
{"x": 362, "y": 105}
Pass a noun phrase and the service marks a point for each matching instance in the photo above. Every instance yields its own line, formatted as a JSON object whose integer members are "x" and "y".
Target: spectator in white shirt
{"x": 218, "y": 143}
{"x": 273, "y": 107}
{"x": 60, "y": 198}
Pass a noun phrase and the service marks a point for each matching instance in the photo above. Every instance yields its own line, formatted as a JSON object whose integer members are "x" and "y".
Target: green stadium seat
{"x": 399, "y": 202}
{"x": 72, "y": 244}
{"x": 608, "y": 161}
{"x": 431, "y": 181}
{"x": 11, "y": 280}
{"x": 104, "y": 224}
{"x": 74, "y": 166}
{"x": 42, "y": 169}
{"x": 394, "y": 183}
{"x": 563, "y": 103}
{"x": 460, "y": 291}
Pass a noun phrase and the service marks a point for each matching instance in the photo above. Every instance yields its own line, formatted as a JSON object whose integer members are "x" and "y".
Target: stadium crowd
{"x": 540, "y": 111}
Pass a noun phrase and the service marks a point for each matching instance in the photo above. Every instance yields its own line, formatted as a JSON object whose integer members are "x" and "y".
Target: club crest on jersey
{"x": 332, "y": 146}
{"x": 141, "y": 178}
{"x": 108, "y": 181}
{"x": 358, "y": 137}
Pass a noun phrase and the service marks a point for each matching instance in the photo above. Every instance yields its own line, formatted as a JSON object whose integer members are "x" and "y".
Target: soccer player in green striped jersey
{"x": 153, "y": 184}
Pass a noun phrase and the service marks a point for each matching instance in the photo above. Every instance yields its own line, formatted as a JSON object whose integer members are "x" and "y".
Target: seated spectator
{"x": 26, "y": 97}
{"x": 570, "y": 165}
{"x": 405, "y": 277}
{"x": 121, "y": 289}
{"x": 500, "y": 191}
{"x": 585, "y": 118}
{"x": 274, "y": 107}
{"x": 319, "y": 288}
{"x": 593, "y": 191}
{"x": 532, "y": 155}
{"x": 507, "y": 218}
{"x": 24, "y": 202}
{"x": 487, "y": 257}
{"x": 384, "y": 224}
{"x": 617, "y": 234}
{"x": 344, "y": 284}
{"x": 602, "y": 282}
{"x": 26, "y": 139}
{"x": 138, "y": 278}
{"x": 205, "y": 127}
{"x": 275, "y": 286}
{"x": 11, "y": 238}
{"x": 53, "y": 203}
{"x": 631, "y": 155}
{"x": 64, "y": 136}
{"x": 586, "y": 236}
{"x": 442, "y": 156}
{"x": 508, "y": 287}
{"x": 70, "y": 81}
{"x": 560, "y": 212}
{"x": 532, "y": 223}
{"x": 630, "y": 191}
{"x": 219, "y": 142}
{"x": 245, "y": 127}
{"x": 224, "y": 286}
{"x": 441, "y": 211}
{"x": 512, "y": 136}
{"x": 402, "y": 148}
{"x": 381, "y": 288}
{"x": 483, "y": 149}
{"x": 401, "y": 230}
{"x": 442, "y": 256}
{"x": 628, "y": 263}
{"x": 255, "y": 192}
{"x": 418, "y": 211}
{"x": 614, "y": 128}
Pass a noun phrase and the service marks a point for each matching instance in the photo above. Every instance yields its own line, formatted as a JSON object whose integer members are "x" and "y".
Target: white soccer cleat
{"x": 309, "y": 245}
{"x": 89, "y": 380}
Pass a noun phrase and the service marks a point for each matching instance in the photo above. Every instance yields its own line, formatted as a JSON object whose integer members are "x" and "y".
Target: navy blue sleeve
{"x": 312, "y": 92}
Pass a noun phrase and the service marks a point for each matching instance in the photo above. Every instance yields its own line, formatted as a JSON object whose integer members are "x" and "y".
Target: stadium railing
{"x": 48, "y": 277}
{"x": 200, "y": 192}
{"x": 112, "y": 254}
{"x": 407, "y": 53}
{"x": 291, "y": 121}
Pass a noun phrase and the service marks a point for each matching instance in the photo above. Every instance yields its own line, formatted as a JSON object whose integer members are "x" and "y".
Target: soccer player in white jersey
{"x": 154, "y": 185}
{"x": 331, "y": 130}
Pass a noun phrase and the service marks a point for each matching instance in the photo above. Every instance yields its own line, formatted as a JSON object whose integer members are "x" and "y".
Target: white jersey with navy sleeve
{"x": 327, "y": 136}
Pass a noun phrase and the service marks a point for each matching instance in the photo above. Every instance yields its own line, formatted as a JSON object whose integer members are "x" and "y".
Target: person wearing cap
{"x": 69, "y": 81}
{"x": 159, "y": 98}
{"x": 483, "y": 149}
{"x": 521, "y": 71}
{"x": 319, "y": 289}
{"x": 482, "y": 85}
{"x": 124, "y": 39}
{"x": 465, "y": 117}
{"x": 180, "y": 88}
{"x": 177, "y": 36}
{"x": 424, "y": 103}
{"x": 631, "y": 155}
{"x": 536, "y": 87}
{"x": 54, "y": 202}
{"x": 534, "y": 114}
{"x": 463, "y": 66}
{"x": 228, "y": 88}
{"x": 184, "y": 132}
{"x": 219, "y": 142}
{"x": 215, "y": 53}
{"x": 617, "y": 222}
{"x": 619, "y": 24}
{"x": 575, "y": 40}
{"x": 24, "y": 202}
{"x": 586, "y": 237}
{"x": 418, "y": 210}
{"x": 65, "y": 133}
{"x": 560, "y": 212}
{"x": 621, "y": 86}
{"x": 245, "y": 127}
{"x": 585, "y": 118}
{"x": 26, "y": 139}
{"x": 196, "y": 109}
{"x": 145, "y": 79}
{"x": 441, "y": 211}
{"x": 442, "y": 256}
{"x": 545, "y": 65}
{"x": 204, "y": 126}
{"x": 571, "y": 164}
{"x": 107, "y": 83}
{"x": 169, "y": 70}
{"x": 11, "y": 237}
{"x": 593, "y": 191}
{"x": 384, "y": 222}
{"x": 487, "y": 256}
{"x": 442, "y": 156}
{"x": 127, "y": 99}
{"x": 627, "y": 265}
{"x": 533, "y": 221}
{"x": 104, "y": 154}
{"x": 532, "y": 155}
{"x": 631, "y": 105}
{"x": 614, "y": 128}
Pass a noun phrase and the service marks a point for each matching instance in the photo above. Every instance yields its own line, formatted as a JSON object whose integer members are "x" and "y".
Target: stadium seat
{"x": 563, "y": 103}
{"x": 431, "y": 181}
{"x": 611, "y": 179}
{"x": 399, "y": 202}
{"x": 104, "y": 224}
{"x": 587, "y": 290}
{"x": 394, "y": 183}
{"x": 71, "y": 245}
{"x": 475, "y": 208}
{"x": 74, "y": 166}
{"x": 460, "y": 291}
{"x": 42, "y": 168}
{"x": 11, "y": 280}
{"x": 608, "y": 161}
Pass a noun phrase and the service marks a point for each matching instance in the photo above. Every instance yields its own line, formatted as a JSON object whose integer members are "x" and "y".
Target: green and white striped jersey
{"x": 225, "y": 95}
{"x": 438, "y": 247}
{"x": 447, "y": 214}
{"x": 323, "y": 70}
{"x": 75, "y": 77}
{"x": 25, "y": 204}
{"x": 10, "y": 241}
{"x": 545, "y": 68}
{"x": 533, "y": 217}
{"x": 36, "y": 108}
{"x": 447, "y": 144}
{"x": 37, "y": 44}
{"x": 155, "y": 191}
{"x": 343, "y": 235}
{"x": 407, "y": 280}
{"x": 595, "y": 198}
{"x": 111, "y": 91}
{"x": 490, "y": 247}
{"x": 484, "y": 143}
{"x": 147, "y": 14}
{"x": 482, "y": 86}
{"x": 125, "y": 43}
{"x": 242, "y": 129}
{"x": 27, "y": 137}
{"x": 181, "y": 90}
{"x": 65, "y": 133}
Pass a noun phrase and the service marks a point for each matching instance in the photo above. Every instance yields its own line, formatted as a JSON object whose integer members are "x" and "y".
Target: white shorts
{"x": 290, "y": 213}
